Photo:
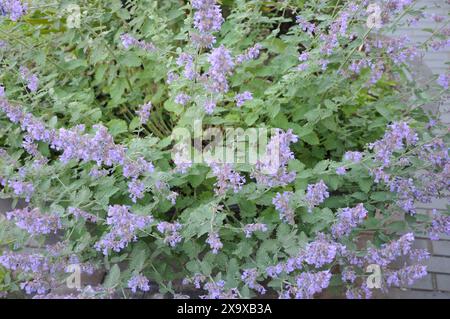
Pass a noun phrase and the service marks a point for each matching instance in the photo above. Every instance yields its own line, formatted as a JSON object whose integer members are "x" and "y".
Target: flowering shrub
{"x": 105, "y": 106}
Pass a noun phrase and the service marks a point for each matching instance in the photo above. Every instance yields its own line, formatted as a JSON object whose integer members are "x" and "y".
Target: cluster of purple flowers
{"x": 78, "y": 213}
{"x": 348, "y": 274}
{"x": 144, "y": 112}
{"x": 271, "y": 170}
{"x": 136, "y": 188}
{"x": 227, "y": 178}
{"x": 182, "y": 99}
{"x": 321, "y": 251}
{"x": 207, "y": 20}
{"x": 282, "y": 203}
{"x": 249, "y": 277}
{"x": 34, "y": 221}
{"x": 392, "y": 141}
{"x": 138, "y": 282}
{"x": 305, "y": 25}
{"x": 390, "y": 252}
{"x": 341, "y": 170}
{"x": 406, "y": 276}
{"x": 249, "y": 229}
{"x": 362, "y": 292}
{"x": 221, "y": 65}
{"x": 440, "y": 224}
{"x": 76, "y": 145}
{"x": 214, "y": 242}
{"x": 30, "y": 78}
{"x": 217, "y": 290}
{"x": 307, "y": 284}
{"x": 197, "y": 280}
{"x": 15, "y": 9}
{"x": 443, "y": 80}
{"x": 400, "y": 49}
{"x": 352, "y": 156}
{"x": 406, "y": 193}
{"x": 36, "y": 285}
{"x": 25, "y": 262}
{"x": 241, "y": 98}
{"x": 129, "y": 41}
{"x": 124, "y": 226}
{"x": 135, "y": 168}
{"x": 22, "y": 188}
{"x": 435, "y": 152}
{"x": 187, "y": 61}
{"x": 348, "y": 218}
{"x": 289, "y": 266}
{"x": 303, "y": 57}
{"x": 170, "y": 231}
{"x": 251, "y": 54}
{"x": 316, "y": 194}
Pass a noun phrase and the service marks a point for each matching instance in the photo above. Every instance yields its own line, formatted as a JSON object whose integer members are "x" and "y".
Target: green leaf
{"x": 117, "y": 127}
{"x": 365, "y": 184}
{"x": 311, "y": 139}
{"x": 130, "y": 59}
{"x": 113, "y": 278}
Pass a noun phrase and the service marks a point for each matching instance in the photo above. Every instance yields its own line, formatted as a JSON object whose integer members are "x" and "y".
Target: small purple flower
{"x": 303, "y": 57}
{"x": 251, "y": 54}
{"x": 128, "y": 41}
{"x": 78, "y": 213}
{"x": 323, "y": 64}
{"x": 182, "y": 99}
{"x": 14, "y": 8}
{"x": 316, "y": 194}
{"x": 272, "y": 170}
{"x": 440, "y": 224}
{"x": 222, "y": 64}
{"x": 249, "y": 229}
{"x": 443, "y": 80}
{"x": 354, "y": 157}
{"x": 31, "y": 79}
{"x": 216, "y": 290}
{"x": 172, "y": 237}
{"x": 282, "y": 205}
{"x": 214, "y": 242}
{"x": 21, "y": 188}
{"x": 138, "y": 282}
{"x": 348, "y": 218}
{"x": 242, "y": 98}
{"x": 341, "y": 170}
{"x": 227, "y": 178}
{"x": 306, "y": 25}
{"x": 144, "y": 112}
{"x": 136, "y": 188}
{"x": 209, "y": 106}
{"x": 249, "y": 277}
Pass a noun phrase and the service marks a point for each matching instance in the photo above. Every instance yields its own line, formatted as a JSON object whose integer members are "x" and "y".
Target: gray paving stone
{"x": 416, "y": 294}
{"x": 426, "y": 283}
{"x": 439, "y": 265}
{"x": 441, "y": 247}
{"x": 422, "y": 244}
{"x": 443, "y": 282}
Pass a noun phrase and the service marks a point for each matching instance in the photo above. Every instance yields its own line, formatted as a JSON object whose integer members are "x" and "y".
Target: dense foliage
{"x": 100, "y": 101}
